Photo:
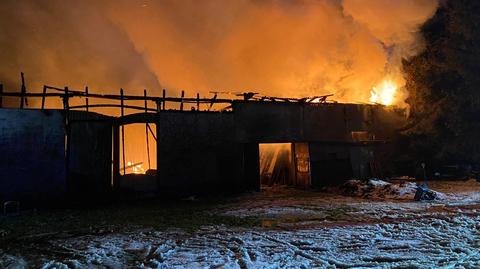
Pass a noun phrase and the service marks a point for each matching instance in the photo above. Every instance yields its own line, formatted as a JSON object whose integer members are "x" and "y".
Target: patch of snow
{"x": 12, "y": 262}
{"x": 390, "y": 233}
{"x": 379, "y": 189}
{"x": 424, "y": 243}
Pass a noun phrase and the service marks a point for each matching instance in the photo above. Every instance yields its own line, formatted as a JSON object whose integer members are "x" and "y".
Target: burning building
{"x": 160, "y": 144}
{"x": 74, "y": 152}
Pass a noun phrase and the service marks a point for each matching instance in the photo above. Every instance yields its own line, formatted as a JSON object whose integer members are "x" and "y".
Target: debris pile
{"x": 424, "y": 193}
{"x": 379, "y": 189}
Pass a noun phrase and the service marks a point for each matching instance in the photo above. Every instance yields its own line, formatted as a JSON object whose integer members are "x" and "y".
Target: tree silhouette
{"x": 444, "y": 86}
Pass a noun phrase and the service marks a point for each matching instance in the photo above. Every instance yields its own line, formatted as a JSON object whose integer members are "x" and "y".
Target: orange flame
{"x": 385, "y": 94}
{"x": 136, "y": 167}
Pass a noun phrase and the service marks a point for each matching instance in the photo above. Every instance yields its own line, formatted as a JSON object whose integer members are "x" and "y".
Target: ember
{"x": 136, "y": 168}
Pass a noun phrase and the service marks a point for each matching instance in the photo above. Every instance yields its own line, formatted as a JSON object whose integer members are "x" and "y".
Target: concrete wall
{"x": 32, "y": 159}
{"x": 197, "y": 152}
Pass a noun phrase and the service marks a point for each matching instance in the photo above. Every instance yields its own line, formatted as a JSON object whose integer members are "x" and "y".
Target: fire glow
{"x": 281, "y": 48}
{"x": 136, "y": 168}
{"x": 384, "y": 94}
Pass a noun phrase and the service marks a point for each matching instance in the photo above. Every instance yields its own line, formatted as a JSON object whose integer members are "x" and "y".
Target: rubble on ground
{"x": 380, "y": 189}
{"x": 424, "y": 193}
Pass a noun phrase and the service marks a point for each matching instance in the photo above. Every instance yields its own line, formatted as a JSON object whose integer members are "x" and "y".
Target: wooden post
{"x": 1, "y": 95}
{"x": 123, "y": 133}
{"x": 146, "y": 128}
{"x": 67, "y": 136}
{"x": 181, "y": 101}
{"x": 121, "y": 102}
{"x": 198, "y": 101}
{"x": 156, "y": 144}
{"x": 43, "y": 96}
{"x": 86, "y": 98}
{"x": 65, "y": 100}
{"x": 145, "y": 100}
{"x": 164, "y": 94}
{"x": 212, "y": 101}
{"x": 23, "y": 91}
{"x": 116, "y": 154}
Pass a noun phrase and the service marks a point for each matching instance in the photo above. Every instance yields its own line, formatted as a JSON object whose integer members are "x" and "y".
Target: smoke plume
{"x": 280, "y": 48}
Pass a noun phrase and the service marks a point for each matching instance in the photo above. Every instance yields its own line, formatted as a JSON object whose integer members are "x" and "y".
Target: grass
{"x": 160, "y": 215}
{"x": 186, "y": 215}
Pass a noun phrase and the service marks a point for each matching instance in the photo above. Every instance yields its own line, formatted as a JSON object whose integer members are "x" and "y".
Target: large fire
{"x": 136, "y": 168}
{"x": 384, "y": 94}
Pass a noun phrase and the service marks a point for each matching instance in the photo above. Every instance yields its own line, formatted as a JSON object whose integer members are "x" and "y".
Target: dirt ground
{"x": 277, "y": 228}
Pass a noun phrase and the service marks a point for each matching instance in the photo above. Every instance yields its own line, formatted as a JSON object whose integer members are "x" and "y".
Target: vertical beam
{"x": 86, "y": 98}
{"x": 67, "y": 137}
{"x": 293, "y": 155}
{"x": 198, "y": 101}
{"x": 43, "y": 96}
{"x": 1, "y": 95}
{"x": 146, "y": 129}
{"x": 66, "y": 105}
{"x": 145, "y": 99}
{"x": 157, "y": 144}
{"x": 23, "y": 91}
{"x": 158, "y": 157}
{"x": 123, "y": 132}
{"x": 212, "y": 101}
{"x": 116, "y": 154}
{"x": 164, "y": 93}
{"x": 181, "y": 101}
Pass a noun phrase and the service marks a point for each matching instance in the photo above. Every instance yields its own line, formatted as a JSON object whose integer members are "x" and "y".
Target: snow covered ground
{"x": 298, "y": 230}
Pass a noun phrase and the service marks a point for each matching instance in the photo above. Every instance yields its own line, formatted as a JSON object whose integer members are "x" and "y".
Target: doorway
{"x": 276, "y": 164}
{"x": 137, "y": 158}
{"x": 138, "y": 151}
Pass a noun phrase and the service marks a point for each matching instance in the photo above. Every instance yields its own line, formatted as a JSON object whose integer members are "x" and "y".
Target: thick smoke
{"x": 280, "y": 48}
{"x": 67, "y": 43}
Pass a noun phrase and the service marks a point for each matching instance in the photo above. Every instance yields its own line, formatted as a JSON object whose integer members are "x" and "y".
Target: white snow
{"x": 452, "y": 242}
{"x": 379, "y": 189}
{"x": 313, "y": 230}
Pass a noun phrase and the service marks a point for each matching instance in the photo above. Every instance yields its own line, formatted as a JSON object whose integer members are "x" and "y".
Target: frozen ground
{"x": 295, "y": 229}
